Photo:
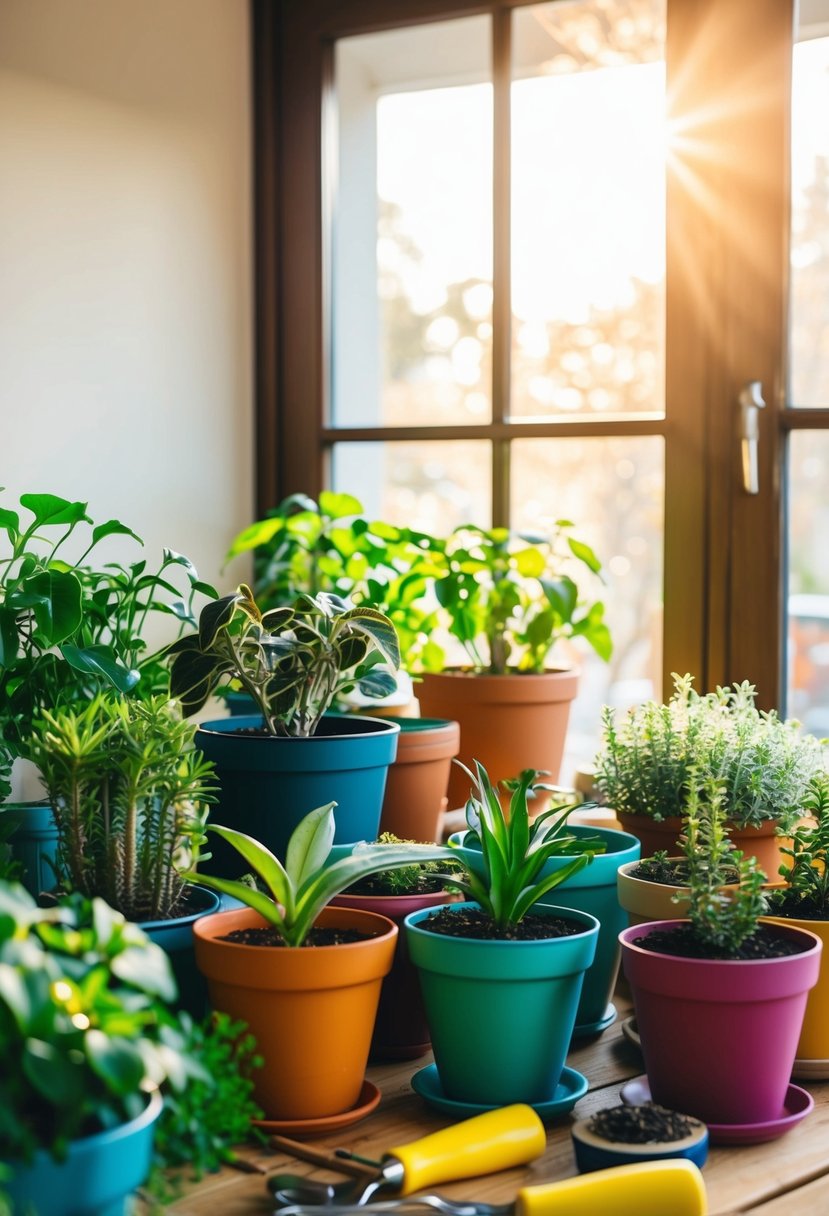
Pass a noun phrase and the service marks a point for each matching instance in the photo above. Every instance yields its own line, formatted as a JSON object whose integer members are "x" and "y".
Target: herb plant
{"x": 298, "y": 890}
{"x": 762, "y": 763}
{"x": 807, "y": 873}
{"x": 514, "y": 851}
{"x": 129, "y": 794}
{"x": 293, "y": 661}
{"x": 405, "y": 880}
{"x": 508, "y": 599}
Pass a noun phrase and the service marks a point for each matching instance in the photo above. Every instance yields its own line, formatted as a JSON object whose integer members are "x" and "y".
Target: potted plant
{"x": 591, "y": 889}
{"x": 129, "y": 793}
{"x": 501, "y": 976}
{"x": 508, "y": 600}
{"x": 293, "y": 661}
{"x": 400, "y": 1029}
{"x": 311, "y": 1011}
{"x": 762, "y": 762}
{"x": 803, "y": 900}
{"x": 732, "y": 990}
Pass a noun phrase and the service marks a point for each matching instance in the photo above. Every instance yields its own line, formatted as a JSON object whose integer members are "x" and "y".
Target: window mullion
{"x": 501, "y": 304}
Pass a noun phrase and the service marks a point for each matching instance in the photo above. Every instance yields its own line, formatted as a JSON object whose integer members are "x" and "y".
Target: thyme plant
{"x": 807, "y": 873}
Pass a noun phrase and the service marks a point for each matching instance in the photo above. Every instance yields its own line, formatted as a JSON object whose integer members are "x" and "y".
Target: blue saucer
{"x": 570, "y": 1088}
{"x": 588, "y": 1029}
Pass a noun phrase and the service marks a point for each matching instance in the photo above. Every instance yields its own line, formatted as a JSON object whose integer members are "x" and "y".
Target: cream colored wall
{"x": 126, "y": 267}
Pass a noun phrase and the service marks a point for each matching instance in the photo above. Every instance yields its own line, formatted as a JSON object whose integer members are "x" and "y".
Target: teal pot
{"x": 592, "y": 890}
{"x": 500, "y": 1013}
{"x": 99, "y": 1174}
{"x": 401, "y": 1031}
{"x": 175, "y": 936}
{"x": 269, "y": 784}
{"x": 34, "y": 843}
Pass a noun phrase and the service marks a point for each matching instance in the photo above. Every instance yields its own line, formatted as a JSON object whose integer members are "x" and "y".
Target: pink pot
{"x": 719, "y": 1037}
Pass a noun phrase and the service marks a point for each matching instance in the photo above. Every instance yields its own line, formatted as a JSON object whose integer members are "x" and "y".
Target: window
{"x": 495, "y": 284}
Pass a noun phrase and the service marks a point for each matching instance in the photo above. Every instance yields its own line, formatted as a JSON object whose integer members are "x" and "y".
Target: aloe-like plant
{"x": 515, "y": 850}
{"x": 293, "y": 661}
{"x": 298, "y": 890}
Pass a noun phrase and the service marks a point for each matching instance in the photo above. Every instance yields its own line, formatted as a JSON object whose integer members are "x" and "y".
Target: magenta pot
{"x": 400, "y": 1031}
{"x": 719, "y": 1036}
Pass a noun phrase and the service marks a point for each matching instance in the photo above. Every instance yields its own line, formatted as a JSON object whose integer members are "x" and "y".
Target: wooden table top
{"x": 780, "y": 1178}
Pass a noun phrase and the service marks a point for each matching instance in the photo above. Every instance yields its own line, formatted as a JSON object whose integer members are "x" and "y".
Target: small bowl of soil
{"x": 620, "y": 1135}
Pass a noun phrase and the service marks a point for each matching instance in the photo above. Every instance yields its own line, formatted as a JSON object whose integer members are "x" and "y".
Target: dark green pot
{"x": 34, "y": 843}
{"x": 500, "y": 1013}
{"x": 175, "y": 937}
{"x": 269, "y": 784}
{"x": 592, "y": 890}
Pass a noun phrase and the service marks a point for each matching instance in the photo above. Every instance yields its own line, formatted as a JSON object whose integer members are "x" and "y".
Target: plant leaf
{"x": 101, "y": 661}
{"x": 310, "y": 844}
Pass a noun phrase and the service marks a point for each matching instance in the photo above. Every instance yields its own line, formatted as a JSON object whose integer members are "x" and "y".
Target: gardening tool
{"x": 496, "y": 1140}
{"x": 653, "y": 1188}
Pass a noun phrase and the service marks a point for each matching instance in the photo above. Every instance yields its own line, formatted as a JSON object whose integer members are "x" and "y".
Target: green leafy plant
{"x": 508, "y": 599}
{"x": 515, "y": 850}
{"x": 293, "y": 661}
{"x": 296, "y": 892}
{"x": 762, "y": 762}
{"x": 405, "y": 880}
{"x": 721, "y": 920}
{"x": 807, "y": 874}
{"x": 305, "y": 546}
{"x": 68, "y": 629}
{"x": 129, "y": 794}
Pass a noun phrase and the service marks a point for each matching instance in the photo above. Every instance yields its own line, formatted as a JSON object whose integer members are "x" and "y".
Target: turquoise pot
{"x": 34, "y": 843}
{"x": 500, "y": 1013}
{"x": 98, "y": 1175}
{"x": 269, "y": 784}
{"x": 176, "y": 939}
{"x": 592, "y": 890}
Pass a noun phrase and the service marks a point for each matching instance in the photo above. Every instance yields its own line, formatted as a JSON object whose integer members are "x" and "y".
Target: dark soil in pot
{"x": 669, "y": 871}
{"x": 682, "y": 942}
{"x": 799, "y": 909}
{"x": 316, "y": 937}
{"x": 647, "y": 1123}
{"x": 474, "y": 923}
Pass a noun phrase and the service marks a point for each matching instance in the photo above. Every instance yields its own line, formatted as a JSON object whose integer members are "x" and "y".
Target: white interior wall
{"x": 125, "y": 266}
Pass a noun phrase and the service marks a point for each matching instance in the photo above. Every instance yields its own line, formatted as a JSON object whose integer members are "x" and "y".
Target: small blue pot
{"x": 98, "y": 1175}
{"x": 591, "y": 890}
{"x": 176, "y": 939}
{"x": 34, "y": 843}
{"x": 269, "y": 784}
{"x": 594, "y": 1153}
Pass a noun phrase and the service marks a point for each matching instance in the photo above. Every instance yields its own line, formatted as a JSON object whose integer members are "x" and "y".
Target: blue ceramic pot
{"x": 33, "y": 842}
{"x": 175, "y": 937}
{"x": 500, "y": 1013}
{"x": 269, "y": 784}
{"x": 592, "y": 1152}
{"x": 592, "y": 890}
{"x": 96, "y": 1178}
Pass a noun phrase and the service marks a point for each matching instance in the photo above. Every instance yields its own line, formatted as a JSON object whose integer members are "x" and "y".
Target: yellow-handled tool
{"x": 495, "y": 1140}
{"x": 672, "y": 1187}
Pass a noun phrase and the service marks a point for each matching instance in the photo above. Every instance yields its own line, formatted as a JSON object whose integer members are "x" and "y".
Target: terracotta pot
{"x": 417, "y": 781}
{"x": 311, "y": 1010}
{"x": 762, "y": 843}
{"x": 719, "y": 1036}
{"x": 400, "y": 1031}
{"x": 508, "y": 722}
{"x": 812, "y": 1061}
{"x": 644, "y": 900}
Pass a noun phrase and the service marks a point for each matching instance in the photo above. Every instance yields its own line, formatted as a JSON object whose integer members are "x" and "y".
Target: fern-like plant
{"x": 807, "y": 873}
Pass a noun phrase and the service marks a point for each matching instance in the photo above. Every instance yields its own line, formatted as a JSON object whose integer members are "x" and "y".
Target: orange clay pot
{"x": 311, "y": 1010}
{"x": 416, "y": 782}
{"x": 762, "y": 843}
{"x": 508, "y": 722}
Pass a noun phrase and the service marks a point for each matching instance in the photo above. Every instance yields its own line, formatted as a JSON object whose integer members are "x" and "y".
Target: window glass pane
{"x": 809, "y": 314}
{"x": 808, "y": 601}
{"x": 612, "y": 489}
{"x": 431, "y": 486}
{"x": 588, "y": 208}
{"x": 412, "y": 237}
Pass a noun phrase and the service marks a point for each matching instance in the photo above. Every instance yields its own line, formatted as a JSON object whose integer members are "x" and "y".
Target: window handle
{"x": 751, "y": 401}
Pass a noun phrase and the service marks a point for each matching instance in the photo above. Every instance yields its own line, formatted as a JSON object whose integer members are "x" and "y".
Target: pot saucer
{"x": 631, "y": 1032}
{"x": 570, "y": 1088}
{"x": 590, "y": 1028}
{"x": 366, "y": 1103}
{"x": 796, "y": 1106}
{"x": 811, "y": 1070}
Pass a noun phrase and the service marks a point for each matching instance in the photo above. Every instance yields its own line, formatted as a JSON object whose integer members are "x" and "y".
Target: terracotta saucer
{"x": 366, "y": 1103}
{"x": 631, "y": 1032}
{"x": 796, "y": 1106}
{"x": 810, "y": 1070}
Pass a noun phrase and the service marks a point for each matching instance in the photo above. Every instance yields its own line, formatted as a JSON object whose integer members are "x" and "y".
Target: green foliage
{"x": 304, "y": 547}
{"x": 514, "y": 851}
{"x": 128, "y": 791}
{"x": 67, "y": 629}
{"x": 762, "y": 762}
{"x": 405, "y": 880}
{"x": 293, "y": 661}
{"x": 807, "y": 875}
{"x": 509, "y": 599}
{"x": 298, "y": 890}
{"x": 721, "y": 919}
